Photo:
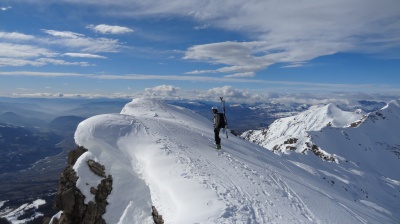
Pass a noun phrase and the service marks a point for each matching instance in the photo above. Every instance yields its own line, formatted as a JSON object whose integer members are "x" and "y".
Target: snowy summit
{"x": 293, "y": 133}
{"x": 162, "y": 155}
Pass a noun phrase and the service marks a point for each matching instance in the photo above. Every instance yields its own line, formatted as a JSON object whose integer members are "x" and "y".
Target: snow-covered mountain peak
{"x": 146, "y": 108}
{"x": 327, "y": 115}
{"x": 163, "y": 155}
{"x": 394, "y": 102}
{"x": 393, "y": 105}
{"x": 368, "y": 143}
{"x": 292, "y": 133}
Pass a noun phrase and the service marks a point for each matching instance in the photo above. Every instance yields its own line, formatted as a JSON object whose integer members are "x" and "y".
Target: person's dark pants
{"x": 216, "y": 136}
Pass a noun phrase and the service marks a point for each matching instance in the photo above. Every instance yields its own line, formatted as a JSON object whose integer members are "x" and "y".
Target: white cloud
{"x": 63, "y": 34}
{"x": 16, "y": 62}
{"x": 107, "y": 29}
{"x": 349, "y": 98}
{"x": 241, "y": 75}
{"x": 45, "y": 61}
{"x": 263, "y": 96}
{"x": 44, "y": 95}
{"x": 5, "y": 8}
{"x": 295, "y": 65}
{"x": 288, "y": 88}
{"x": 75, "y": 95}
{"x": 178, "y": 78}
{"x": 23, "y": 51}
{"x": 166, "y": 90}
{"x": 83, "y": 55}
{"x": 13, "y": 54}
{"x": 132, "y": 77}
{"x": 43, "y": 74}
{"x": 17, "y": 55}
{"x": 229, "y": 92}
{"x": 202, "y": 27}
{"x": 15, "y": 36}
{"x": 198, "y": 72}
{"x": 241, "y": 57}
{"x": 79, "y": 41}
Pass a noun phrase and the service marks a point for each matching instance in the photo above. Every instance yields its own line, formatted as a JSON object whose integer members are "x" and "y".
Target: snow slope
{"x": 292, "y": 133}
{"x": 365, "y": 149}
{"x": 163, "y": 155}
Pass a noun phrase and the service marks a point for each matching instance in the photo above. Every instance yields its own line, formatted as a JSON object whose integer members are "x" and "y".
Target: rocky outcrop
{"x": 96, "y": 168}
{"x": 318, "y": 152}
{"x": 70, "y": 200}
{"x": 156, "y": 217}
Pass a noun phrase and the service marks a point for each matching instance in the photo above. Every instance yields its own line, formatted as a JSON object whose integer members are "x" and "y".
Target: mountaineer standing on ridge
{"x": 218, "y": 120}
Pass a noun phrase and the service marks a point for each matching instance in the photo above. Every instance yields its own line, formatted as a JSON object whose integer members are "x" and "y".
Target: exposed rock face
{"x": 70, "y": 200}
{"x": 75, "y": 154}
{"x": 156, "y": 217}
{"x": 96, "y": 168}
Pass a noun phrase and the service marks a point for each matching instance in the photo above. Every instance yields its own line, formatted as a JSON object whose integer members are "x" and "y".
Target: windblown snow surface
{"x": 163, "y": 155}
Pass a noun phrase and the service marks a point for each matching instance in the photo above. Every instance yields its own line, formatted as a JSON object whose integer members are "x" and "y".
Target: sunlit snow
{"x": 163, "y": 155}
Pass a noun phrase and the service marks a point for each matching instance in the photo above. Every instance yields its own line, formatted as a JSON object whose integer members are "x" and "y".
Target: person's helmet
{"x": 214, "y": 108}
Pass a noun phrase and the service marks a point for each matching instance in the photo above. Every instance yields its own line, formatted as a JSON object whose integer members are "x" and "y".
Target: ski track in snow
{"x": 354, "y": 214}
{"x": 241, "y": 205}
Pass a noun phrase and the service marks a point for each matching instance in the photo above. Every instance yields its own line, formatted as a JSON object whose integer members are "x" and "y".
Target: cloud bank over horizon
{"x": 230, "y": 94}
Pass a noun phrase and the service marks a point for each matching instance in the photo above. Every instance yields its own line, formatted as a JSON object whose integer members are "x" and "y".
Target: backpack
{"x": 222, "y": 120}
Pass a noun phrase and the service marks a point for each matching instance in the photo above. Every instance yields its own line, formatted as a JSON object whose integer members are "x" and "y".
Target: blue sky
{"x": 199, "y": 48}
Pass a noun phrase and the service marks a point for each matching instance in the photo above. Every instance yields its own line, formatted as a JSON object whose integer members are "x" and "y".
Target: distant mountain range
{"x": 65, "y": 123}
{"x": 243, "y": 117}
{"x": 89, "y": 109}
{"x": 18, "y": 120}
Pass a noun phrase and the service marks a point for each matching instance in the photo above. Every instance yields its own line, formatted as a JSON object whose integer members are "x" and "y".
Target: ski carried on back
{"x": 224, "y": 120}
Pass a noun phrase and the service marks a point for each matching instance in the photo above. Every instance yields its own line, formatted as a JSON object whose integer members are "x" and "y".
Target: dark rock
{"x": 156, "y": 217}
{"x": 290, "y": 141}
{"x": 75, "y": 154}
{"x": 96, "y": 168}
{"x": 292, "y": 148}
{"x": 46, "y": 220}
{"x": 70, "y": 199}
{"x": 318, "y": 152}
{"x": 104, "y": 189}
{"x": 93, "y": 190}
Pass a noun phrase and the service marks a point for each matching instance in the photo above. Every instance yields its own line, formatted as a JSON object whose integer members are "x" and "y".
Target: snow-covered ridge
{"x": 162, "y": 155}
{"x": 300, "y": 133}
{"x": 292, "y": 133}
